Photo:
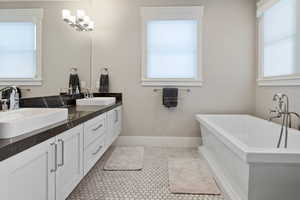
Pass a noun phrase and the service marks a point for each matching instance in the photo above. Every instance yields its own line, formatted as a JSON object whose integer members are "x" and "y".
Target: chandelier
{"x": 80, "y": 22}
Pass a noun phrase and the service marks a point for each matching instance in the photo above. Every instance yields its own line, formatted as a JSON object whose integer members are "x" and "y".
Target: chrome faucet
{"x": 87, "y": 93}
{"x": 14, "y": 97}
{"x": 276, "y": 116}
{"x": 282, "y": 111}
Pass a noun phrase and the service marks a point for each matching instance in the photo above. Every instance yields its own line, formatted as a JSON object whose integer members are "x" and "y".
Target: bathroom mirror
{"x": 40, "y": 48}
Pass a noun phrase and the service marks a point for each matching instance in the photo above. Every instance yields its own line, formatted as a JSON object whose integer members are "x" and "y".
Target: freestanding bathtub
{"x": 241, "y": 151}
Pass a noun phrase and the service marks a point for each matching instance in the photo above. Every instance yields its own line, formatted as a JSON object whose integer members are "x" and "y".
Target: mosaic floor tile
{"x": 151, "y": 183}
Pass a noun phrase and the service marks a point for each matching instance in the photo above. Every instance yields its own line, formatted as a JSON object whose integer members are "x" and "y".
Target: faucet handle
{"x": 88, "y": 93}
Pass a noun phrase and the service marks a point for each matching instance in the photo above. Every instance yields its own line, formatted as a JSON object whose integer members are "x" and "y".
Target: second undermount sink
{"x": 96, "y": 101}
{"x": 18, "y": 122}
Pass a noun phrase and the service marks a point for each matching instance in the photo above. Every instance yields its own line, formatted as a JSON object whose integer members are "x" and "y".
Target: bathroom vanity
{"x": 49, "y": 163}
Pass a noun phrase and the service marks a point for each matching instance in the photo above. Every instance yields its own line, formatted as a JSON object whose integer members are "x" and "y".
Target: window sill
{"x": 279, "y": 81}
{"x": 20, "y": 82}
{"x": 173, "y": 83}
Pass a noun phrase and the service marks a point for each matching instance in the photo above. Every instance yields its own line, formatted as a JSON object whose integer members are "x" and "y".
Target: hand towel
{"x": 170, "y": 97}
{"x": 74, "y": 83}
{"x": 104, "y": 83}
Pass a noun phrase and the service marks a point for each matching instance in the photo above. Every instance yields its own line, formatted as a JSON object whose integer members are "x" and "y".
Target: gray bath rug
{"x": 191, "y": 176}
{"x": 125, "y": 159}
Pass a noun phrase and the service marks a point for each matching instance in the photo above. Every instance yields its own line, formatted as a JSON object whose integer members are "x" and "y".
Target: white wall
{"x": 229, "y": 64}
{"x": 62, "y": 46}
{"x": 229, "y": 61}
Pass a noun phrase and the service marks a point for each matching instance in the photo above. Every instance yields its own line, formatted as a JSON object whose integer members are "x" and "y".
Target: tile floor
{"x": 149, "y": 184}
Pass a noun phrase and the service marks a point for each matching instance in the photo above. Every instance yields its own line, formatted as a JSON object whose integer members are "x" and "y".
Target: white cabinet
{"x": 52, "y": 169}
{"x": 111, "y": 115}
{"x": 114, "y": 125}
{"x": 118, "y": 122}
{"x": 101, "y": 132}
{"x": 93, "y": 153}
{"x": 47, "y": 171}
{"x": 30, "y": 175}
{"x": 69, "y": 161}
{"x": 94, "y": 143}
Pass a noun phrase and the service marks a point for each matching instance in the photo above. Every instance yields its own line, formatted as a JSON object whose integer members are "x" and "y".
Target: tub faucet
{"x": 276, "y": 116}
{"x": 282, "y": 111}
{"x": 14, "y": 97}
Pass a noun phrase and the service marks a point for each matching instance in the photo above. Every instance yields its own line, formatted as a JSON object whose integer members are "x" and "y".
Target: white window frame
{"x": 26, "y": 15}
{"x": 284, "y": 80}
{"x": 172, "y": 13}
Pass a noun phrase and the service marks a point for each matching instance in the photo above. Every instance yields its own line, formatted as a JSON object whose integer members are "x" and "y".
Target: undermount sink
{"x": 18, "y": 122}
{"x": 96, "y": 101}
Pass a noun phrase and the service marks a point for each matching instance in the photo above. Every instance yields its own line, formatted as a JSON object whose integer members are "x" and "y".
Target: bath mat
{"x": 191, "y": 176}
{"x": 125, "y": 159}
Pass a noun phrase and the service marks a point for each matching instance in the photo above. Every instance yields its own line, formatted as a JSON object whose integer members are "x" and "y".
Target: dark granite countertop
{"x": 77, "y": 115}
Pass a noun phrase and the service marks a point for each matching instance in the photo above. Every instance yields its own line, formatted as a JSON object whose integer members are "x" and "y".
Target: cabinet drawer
{"x": 94, "y": 129}
{"x": 93, "y": 153}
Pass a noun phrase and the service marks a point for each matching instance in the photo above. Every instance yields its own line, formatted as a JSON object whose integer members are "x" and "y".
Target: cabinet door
{"x": 110, "y": 128}
{"x": 114, "y": 121}
{"x": 70, "y": 161}
{"x": 30, "y": 175}
{"x": 117, "y": 122}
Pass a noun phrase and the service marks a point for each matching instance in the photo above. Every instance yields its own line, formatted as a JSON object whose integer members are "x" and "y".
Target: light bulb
{"x": 66, "y": 15}
{"x": 91, "y": 26}
{"x": 80, "y": 15}
{"x": 86, "y": 21}
{"x": 72, "y": 20}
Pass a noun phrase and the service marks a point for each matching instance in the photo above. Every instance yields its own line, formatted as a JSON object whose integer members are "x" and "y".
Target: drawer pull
{"x": 62, "y": 153}
{"x": 98, "y": 150}
{"x": 98, "y": 127}
{"x": 55, "y": 157}
{"x": 116, "y": 116}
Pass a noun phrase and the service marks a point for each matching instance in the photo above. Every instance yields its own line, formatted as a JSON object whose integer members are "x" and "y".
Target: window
{"x": 20, "y": 46}
{"x": 171, "y": 46}
{"x": 278, "y": 42}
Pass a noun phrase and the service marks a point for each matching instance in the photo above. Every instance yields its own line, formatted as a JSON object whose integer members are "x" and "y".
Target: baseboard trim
{"x": 158, "y": 141}
{"x": 226, "y": 187}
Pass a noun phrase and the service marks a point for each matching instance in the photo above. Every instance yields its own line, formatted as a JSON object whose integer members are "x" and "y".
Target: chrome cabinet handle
{"x": 98, "y": 150}
{"x": 62, "y": 153}
{"x": 116, "y": 116}
{"x": 98, "y": 127}
{"x": 55, "y": 157}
